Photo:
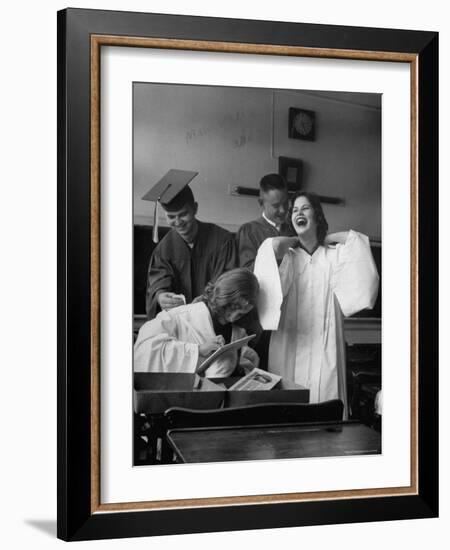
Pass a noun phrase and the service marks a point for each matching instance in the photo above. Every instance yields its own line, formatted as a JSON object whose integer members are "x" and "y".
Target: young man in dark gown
{"x": 188, "y": 257}
{"x": 273, "y": 222}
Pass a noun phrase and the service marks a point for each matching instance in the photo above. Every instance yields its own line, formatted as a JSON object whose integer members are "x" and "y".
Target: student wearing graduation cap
{"x": 191, "y": 254}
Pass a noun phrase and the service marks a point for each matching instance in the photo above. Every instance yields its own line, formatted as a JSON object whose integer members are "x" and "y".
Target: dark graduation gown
{"x": 251, "y": 235}
{"x": 175, "y": 267}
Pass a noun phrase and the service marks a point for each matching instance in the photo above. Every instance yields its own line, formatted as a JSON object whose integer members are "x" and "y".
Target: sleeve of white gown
{"x": 158, "y": 350}
{"x": 355, "y": 278}
{"x": 226, "y": 363}
{"x": 274, "y": 283}
{"x": 224, "y": 366}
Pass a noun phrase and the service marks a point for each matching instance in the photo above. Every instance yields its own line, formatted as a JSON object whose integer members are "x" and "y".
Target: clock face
{"x": 301, "y": 124}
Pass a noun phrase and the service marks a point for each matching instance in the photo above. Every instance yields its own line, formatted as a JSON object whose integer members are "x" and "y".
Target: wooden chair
{"x": 254, "y": 415}
{"x": 365, "y": 385}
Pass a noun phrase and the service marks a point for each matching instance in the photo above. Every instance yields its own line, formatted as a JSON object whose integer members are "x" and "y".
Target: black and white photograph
{"x": 224, "y": 290}
{"x": 257, "y": 248}
{"x": 250, "y": 225}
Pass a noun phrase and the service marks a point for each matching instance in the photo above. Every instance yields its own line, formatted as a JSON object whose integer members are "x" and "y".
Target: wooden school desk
{"x": 222, "y": 444}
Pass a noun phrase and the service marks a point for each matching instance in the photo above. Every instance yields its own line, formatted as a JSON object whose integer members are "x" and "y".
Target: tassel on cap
{"x": 167, "y": 191}
{"x": 155, "y": 236}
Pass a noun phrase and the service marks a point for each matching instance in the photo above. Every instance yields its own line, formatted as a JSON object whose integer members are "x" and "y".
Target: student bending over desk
{"x": 180, "y": 339}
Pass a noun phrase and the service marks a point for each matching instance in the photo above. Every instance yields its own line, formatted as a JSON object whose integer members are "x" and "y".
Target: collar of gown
{"x": 270, "y": 222}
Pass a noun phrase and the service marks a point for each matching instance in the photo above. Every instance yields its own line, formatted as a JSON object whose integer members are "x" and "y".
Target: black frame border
{"x": 75, "y": 520}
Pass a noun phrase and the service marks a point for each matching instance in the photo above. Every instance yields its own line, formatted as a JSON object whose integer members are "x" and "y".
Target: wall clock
{"x": 302, "y": 124}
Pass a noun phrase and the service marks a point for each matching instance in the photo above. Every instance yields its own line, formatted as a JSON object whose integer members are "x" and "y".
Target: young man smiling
{"x": 190, "y": 255}
{"x": 273, "y": 222}
{"x": 274, "y": 201}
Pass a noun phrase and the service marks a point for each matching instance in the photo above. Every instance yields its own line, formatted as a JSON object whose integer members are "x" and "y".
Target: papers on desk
{"x": 257, "y": 379}
{"x": 227, "y": 347}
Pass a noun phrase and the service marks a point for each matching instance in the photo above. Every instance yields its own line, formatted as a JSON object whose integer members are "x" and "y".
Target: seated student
{"x": 180, "y": 339}
{"x": 321, "y": 279}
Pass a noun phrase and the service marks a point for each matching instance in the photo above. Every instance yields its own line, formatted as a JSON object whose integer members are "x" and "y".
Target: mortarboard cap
{"x": 169, "y": 187}
{"x": 172, "y": 191}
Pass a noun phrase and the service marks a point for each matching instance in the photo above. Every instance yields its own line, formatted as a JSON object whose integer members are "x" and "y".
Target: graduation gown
{"x": 251, "y": 235}
{"x": 175, "y": 267}
{"x": 170, "y": 342}
{"x": 315, "y": 292}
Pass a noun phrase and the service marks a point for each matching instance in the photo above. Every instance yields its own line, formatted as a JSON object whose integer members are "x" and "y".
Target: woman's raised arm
{"x": 339, "y": 237}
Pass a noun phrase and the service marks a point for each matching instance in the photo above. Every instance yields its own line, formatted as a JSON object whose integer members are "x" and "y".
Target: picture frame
{"x": 292, "y": 171}
{"x": 81, "y": 35}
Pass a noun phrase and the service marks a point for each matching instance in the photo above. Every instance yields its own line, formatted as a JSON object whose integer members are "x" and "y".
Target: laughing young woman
{"x": 323, "y": 278}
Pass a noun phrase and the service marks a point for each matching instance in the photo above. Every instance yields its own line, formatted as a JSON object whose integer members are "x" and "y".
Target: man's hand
{"x": 211, "y": 346}
{"x": 169, "y": 300}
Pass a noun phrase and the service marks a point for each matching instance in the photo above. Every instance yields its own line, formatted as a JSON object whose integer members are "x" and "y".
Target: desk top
{"x": 196, "y": 445}
{"x": 155, "y": 392}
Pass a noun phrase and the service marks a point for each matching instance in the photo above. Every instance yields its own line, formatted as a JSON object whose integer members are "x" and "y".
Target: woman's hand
{"x": 249, "y": 359}
{"x": 211, "y": 346}
{"x": 282, "y": 244}
{"x": 334, "y": 238}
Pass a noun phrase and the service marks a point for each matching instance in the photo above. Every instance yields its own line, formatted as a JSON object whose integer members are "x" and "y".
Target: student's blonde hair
{"x": 231, "y": 286}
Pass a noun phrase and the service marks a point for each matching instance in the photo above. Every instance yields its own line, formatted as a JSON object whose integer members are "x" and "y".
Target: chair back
{"x": 254, "y": 415}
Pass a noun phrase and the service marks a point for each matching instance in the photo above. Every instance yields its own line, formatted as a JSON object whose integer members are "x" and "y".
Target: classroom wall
{"x": 233, "y": 136}
{"x": 223, "y": 133}
{"x": 345, "y": 158}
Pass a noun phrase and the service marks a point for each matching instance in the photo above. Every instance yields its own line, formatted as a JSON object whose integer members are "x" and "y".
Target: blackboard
{"x": 143, "y": 247}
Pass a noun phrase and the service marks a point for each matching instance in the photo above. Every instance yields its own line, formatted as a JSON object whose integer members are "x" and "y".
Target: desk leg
{"x": 150, "y": 444}
{"x": 167, "y": 456}
{"x": 145, "y": 441}
{"x": 159, "y": 429}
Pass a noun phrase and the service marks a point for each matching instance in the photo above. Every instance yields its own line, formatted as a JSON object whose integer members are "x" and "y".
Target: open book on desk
{"x": 256, "y": 379}
{"x": 237, "y": 344}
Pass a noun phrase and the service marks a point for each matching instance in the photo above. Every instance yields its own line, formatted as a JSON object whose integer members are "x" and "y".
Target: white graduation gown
{"x": 314, "y": 291}
{"x": 170, "y": 342}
